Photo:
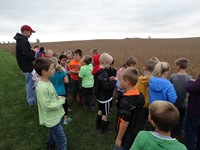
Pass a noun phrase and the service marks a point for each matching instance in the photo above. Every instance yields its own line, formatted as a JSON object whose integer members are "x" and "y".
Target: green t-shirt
{"x": 86, "y": 74}
{"x": 146, "y": 140}
{"x": 50, "y": 107}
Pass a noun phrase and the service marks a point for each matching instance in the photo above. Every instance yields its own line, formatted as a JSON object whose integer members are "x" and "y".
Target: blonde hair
{"x": 164, "y": 114}
{"x": 161, "y": 68}
{"x": 57, "y": 66}
{"x": 155, "y": 59}
{"x": 105, "y": 57}
{"x": 49, "y": 51}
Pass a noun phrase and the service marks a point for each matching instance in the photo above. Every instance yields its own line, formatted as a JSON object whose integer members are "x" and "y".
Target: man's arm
{"x": 27, "y": 51}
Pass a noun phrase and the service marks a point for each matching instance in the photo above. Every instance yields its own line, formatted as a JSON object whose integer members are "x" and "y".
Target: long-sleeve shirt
{"x": 50, "y": 107}
{"x": 193, "y": 87}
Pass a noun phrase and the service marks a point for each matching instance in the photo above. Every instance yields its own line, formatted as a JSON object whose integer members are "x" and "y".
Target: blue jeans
{"x": 57, "y": 136}
{"x": 192, "y": 134}
{"x": 30, "y": 88}
{"x": 119, "y": 148}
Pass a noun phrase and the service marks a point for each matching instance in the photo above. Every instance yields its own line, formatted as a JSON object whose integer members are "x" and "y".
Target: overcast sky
{"x": 66, "y": 20}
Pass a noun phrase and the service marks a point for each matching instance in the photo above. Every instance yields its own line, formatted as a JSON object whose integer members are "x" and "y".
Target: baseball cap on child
{"x": 27, "y": 28}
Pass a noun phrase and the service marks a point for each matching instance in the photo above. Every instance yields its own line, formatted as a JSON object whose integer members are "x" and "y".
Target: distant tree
{"x": 37, "y": 41}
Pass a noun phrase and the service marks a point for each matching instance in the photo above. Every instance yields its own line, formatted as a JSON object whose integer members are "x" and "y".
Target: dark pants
{"x": 192, "y": 132}
{"x": 76, "y": 88}
{"x": 65, "y": 105}
{"x": 180, "y": 127}
{"x": 88, "y": 96}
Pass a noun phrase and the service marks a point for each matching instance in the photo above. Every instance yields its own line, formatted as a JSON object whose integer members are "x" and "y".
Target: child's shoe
{"x": 67, "y": 121}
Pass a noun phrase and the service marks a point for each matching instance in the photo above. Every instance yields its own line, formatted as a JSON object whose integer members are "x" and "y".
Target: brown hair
{"x": 41, "y": 64}
{"x": 182, "y": 63}
{"x": 150, "y": 65}
{"x": 131, "y": 61}
{"x": 131, "y": 75}
{"x": 87, "y": 59}
{"x": 164, "y": 114}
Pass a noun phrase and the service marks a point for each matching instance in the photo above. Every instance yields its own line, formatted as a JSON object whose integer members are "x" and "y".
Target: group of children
{"x": 150, "y": 96}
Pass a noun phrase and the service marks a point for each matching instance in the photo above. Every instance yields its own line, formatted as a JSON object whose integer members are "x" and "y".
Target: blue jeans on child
{"x": 30, "y": 88}
{"x": 57, "y": 136}
{"x": 192, "y": 132}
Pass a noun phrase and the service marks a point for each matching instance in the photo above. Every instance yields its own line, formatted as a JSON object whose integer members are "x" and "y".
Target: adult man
{"x": 25, "y": 56}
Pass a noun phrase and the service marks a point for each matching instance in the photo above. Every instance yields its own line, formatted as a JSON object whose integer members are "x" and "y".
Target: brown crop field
{"x": 165, "y": 49}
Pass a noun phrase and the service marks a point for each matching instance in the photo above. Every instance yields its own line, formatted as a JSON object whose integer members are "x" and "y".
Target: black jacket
{"x": 103, "y": 87}
{"x": 131, "y": 110}
{"x": 24, "y": 54}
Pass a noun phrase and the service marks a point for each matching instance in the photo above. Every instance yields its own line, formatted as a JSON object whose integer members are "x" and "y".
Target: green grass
{"x": 19, "y": 125}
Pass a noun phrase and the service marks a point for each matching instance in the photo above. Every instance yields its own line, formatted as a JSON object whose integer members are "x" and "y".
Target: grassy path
{"x": 19, "y": 126}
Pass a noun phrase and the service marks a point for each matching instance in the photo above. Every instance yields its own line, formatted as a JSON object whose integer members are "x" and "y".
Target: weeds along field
{"x": 165, "y": 49}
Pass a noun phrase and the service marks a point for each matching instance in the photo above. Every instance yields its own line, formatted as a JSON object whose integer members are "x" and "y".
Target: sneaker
{"x": 67, "y": 121}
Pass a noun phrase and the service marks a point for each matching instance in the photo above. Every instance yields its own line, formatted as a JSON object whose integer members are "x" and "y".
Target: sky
{"x": 71, "y": 20}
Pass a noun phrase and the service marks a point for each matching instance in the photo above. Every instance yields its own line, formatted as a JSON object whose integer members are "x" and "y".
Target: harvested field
{"x": 165, "y": 49}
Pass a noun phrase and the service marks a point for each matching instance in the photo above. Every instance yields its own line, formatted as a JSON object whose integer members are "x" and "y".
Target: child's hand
{"x": 112, "y": 78}
{"x": 118, "y": 143}
{"x": 64, "y": 98}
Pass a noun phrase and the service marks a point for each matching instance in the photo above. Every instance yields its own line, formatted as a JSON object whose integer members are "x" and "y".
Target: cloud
{"x": 89, "y": 19}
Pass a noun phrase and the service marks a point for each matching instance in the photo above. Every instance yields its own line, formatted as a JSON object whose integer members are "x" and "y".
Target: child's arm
{"x": 171, "y": 94}
{"x": 193, "y": 85}
{"x": 122, "y": 129}
{"x": 66, "y": 80}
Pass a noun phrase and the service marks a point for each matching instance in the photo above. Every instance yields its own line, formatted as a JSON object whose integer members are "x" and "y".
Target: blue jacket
{"x": 161, "y": 89}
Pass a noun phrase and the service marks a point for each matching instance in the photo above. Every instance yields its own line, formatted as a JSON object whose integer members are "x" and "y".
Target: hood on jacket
{"x": 19, "y": 36}
{"x": 144, "y": 80}
{"x": 158, "y": 84}
{"x": 95, "y": 70}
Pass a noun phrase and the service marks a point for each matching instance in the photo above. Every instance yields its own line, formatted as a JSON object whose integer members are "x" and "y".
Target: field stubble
{"x": 143, "y": 49}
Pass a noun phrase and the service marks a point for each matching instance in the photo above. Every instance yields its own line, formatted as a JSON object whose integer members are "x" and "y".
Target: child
{"x": 130, "y": 111}
{"x": 50, "y": 104}
{"x": 159, "y": 87}
{"x": 130, "y": 62}
{"x": 192, "y": 123}
{"x": 74, "y": 68}
{"x": 155, "y": 59}
{"x": 103, "y": 89}
{"x": 164, "y": 117}
{"x": 36, "y": 49}
{"x": 179, "y": 80}
{"x": 69, "y": 55}
{"x": 143, "y": 84}
{"x": 59, "y": 79}
{"x": 49, "y": 53}
{"x": 87, "y": 81}
{"x": 40, "y": 53}
{"x": 95, "y": 57}
{"x": 63, "y": 63}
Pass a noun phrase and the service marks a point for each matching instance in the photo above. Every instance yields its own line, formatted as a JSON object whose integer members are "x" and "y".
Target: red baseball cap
{"x": 27, "y": 28}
